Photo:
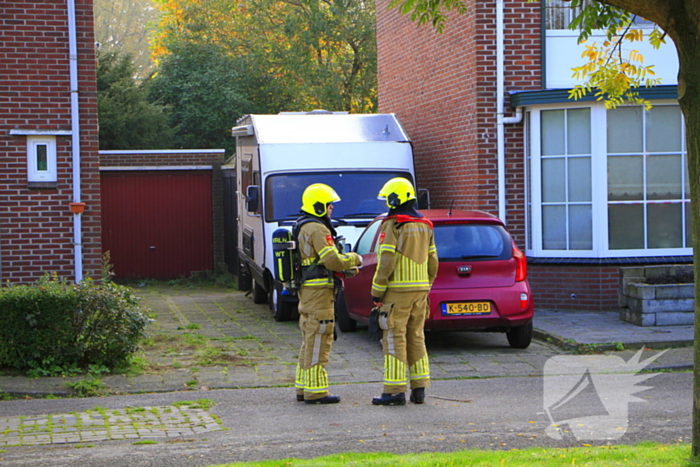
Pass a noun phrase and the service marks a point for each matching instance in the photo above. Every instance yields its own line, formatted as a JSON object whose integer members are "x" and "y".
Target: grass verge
{"x": 645, "y": 454}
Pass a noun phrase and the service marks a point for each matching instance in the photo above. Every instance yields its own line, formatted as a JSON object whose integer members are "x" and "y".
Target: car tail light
{"x": 520, "y": 265}
{"x": 523, "y": 301}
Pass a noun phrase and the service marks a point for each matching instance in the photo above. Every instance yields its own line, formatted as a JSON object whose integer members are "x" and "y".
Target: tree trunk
{"x": 684, "y": 29}
{"x": 689, "y": 99}
{"x": 679, "y": 19}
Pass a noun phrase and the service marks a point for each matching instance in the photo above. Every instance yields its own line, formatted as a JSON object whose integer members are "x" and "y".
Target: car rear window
{"x": 474, "y": 242}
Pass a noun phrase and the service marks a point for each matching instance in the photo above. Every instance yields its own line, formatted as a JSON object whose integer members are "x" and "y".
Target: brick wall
{"x": 443, "y": 89}
{"x": 594, "y": 288}
{"x": 162, "y": 158}
{"x": 36, "y": 225}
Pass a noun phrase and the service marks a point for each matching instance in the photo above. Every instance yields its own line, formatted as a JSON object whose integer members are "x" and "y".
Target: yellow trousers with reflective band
{"x": 405, "y": 356}
{"x": 316, "y": 321}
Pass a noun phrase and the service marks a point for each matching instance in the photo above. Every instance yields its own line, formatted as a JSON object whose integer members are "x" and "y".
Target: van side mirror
{"x": 252, "y": 198}
{"x": 423, "y": 199}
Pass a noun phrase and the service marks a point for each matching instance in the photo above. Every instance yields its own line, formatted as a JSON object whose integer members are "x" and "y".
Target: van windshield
{"x": 357, "y": 190}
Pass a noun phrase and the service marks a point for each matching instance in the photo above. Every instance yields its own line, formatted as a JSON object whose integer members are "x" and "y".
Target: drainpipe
{"x": 501, "y": 120}
{"x": 75, "y": 141}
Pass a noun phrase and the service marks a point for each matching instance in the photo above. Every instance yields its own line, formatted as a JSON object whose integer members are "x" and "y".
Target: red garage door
{"x": 157, "y": 224}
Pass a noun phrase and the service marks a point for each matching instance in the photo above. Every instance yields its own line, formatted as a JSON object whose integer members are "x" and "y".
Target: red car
{"x": 481, "y": 283}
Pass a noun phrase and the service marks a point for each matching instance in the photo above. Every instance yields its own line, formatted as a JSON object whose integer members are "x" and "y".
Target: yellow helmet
{"x": 316, "y": 198}
{"x": 396, "y": 192}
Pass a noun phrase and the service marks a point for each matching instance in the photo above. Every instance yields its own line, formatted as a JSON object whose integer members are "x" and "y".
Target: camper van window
{"x": 357, "y": 190}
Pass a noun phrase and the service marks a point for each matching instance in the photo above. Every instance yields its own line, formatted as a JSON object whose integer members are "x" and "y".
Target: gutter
{"x": 501, "y": 120}
{"x": 75, "y": 141}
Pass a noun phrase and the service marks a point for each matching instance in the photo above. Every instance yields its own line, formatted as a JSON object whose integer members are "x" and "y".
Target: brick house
{"x": 48, "y": 141}
{"x": 583, "y": 189}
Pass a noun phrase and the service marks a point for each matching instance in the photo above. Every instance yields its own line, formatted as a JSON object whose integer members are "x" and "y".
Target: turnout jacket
{"x": 407, "y": 259}
{"x": 318, "y": 251}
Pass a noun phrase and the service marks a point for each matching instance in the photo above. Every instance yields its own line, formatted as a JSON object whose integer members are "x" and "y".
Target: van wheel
{"x": 281, "y": 308}
{"x": 520, "y": 337}
{"x": 259, "y": 293}
{"x": 345, "y": 322}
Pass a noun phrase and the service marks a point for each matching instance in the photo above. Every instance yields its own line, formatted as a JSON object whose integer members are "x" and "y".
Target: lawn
{"x": 642, "y": 455}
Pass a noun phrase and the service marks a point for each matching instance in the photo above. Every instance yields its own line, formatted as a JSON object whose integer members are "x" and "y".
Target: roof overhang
{"x": 555, "y": 96}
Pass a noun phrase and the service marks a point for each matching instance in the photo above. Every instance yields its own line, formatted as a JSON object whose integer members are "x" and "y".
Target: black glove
{"x": 375, "y": 332}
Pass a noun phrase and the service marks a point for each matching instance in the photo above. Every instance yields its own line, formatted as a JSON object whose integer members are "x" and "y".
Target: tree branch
{"x": 657, "y": 11}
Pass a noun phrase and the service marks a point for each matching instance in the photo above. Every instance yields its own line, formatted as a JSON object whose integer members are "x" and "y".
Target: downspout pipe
{"x": 75, "y": 141}
{"x": 501, "y": 119}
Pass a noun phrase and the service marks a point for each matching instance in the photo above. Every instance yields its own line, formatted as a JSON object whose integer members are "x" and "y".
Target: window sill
{"x": 610, "y": 261}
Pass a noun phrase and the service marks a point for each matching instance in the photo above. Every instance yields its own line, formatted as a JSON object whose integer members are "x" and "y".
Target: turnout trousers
{"x": 316, "y": 321}
{"x": 403, "y": 341}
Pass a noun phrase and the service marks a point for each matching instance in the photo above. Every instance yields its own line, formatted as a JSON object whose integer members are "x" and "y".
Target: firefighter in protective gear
{"x": 407, "y": 265}
{"x": 320, "y": 259}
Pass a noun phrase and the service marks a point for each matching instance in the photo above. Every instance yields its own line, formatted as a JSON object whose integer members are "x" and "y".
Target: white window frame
{"x": 599, "y": 188}
{"x": 33, "y": 172}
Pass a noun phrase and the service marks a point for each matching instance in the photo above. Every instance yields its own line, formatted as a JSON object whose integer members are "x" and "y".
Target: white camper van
{"x": 278, "y": 156}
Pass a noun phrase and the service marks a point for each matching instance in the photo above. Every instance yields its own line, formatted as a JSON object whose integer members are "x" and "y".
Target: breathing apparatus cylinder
{"x": 282, "y": 248}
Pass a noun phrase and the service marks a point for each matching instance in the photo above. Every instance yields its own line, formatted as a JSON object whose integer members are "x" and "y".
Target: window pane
{"x": 554, "y": 227}
{"x": 556, "y": 14}
{"x": 553, "y": 180}
{"x": 579, "y": 131}
{"x": 626, "y": 226}
{"x": 528, "y": 183}
{"x": 664, "y": 177}
{"x": 663, "y": 125}
{"x": 686, "y": 178}
{"x": 688, "y": 226}
{"x": 559, "y": 13}
{"x": 625, "y": 178}
{"x": 625, "y": 130}
{"x": 552, "y": 132}
{"x": 42, "y": 157}
{"x": 580, "y": 228}
{"x": 664, "y": 225}
{"x": 579, "y": 179}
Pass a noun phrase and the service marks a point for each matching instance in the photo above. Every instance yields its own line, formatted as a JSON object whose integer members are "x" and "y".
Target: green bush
{"x": 55, "y": 326}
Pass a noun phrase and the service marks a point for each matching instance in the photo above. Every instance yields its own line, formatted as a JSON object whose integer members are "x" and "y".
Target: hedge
{"x": 58, "y": 324}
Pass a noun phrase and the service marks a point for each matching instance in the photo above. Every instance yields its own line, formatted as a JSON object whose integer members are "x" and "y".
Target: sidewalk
{"x": 262, "y": 352}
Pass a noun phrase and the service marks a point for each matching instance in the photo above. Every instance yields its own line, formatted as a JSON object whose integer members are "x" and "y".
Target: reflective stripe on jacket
{"x": 406, "y": 257}
{"x": 316, "y": 243}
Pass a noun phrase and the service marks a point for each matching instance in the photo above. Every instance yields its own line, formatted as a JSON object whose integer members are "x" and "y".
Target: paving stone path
{"x": 172, "y": 421}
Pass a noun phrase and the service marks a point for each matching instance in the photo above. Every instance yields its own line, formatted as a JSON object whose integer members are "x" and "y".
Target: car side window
{"x": 364, "y": 244}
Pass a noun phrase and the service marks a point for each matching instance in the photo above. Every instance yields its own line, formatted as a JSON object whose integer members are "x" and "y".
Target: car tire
{"x": 281, "y": 309}
{"x": 519, "y": 337}
{"x": 245, "y": 282}
{"x": 345, "y": 322}
{"x": 259, "y": 293}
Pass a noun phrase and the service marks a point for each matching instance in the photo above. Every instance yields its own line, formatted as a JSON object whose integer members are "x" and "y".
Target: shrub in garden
{"x": 55, "y": 325}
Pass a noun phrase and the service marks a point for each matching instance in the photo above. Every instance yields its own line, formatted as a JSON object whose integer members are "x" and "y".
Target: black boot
{"x": 418, "y": 395}
{"x": 390, "y": 399}
{"x": 329, "y": 399}
{"x": 300, "y": 398}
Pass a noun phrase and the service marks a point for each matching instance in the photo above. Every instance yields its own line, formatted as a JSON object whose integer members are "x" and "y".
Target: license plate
{"x": 466, "y": 308}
